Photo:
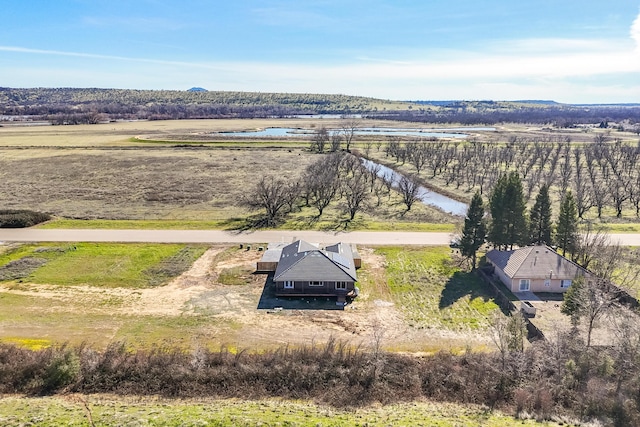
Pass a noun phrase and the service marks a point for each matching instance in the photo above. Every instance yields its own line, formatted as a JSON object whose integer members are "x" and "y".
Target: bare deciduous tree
{"x": 587, "y": 299}
{"x": 269, "y": 194}
{"x": 336, "y": 140}
{"x": 355, "y": 190}
{"x": 322, "y": 181}
{"x": 410, "y": 191}
{"x": 319, "y": 140}
{"x": 349, "y": 127}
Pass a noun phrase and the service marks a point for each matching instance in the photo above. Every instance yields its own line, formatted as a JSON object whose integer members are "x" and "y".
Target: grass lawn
{"x": 106, "y": 411}
{"x": 97, "y": 320}
{"x": 107, "y": 265}
{"x": 433, "y": 292}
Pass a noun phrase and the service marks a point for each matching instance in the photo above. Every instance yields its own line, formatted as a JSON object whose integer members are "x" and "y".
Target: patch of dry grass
{"x": 139, "y": 184}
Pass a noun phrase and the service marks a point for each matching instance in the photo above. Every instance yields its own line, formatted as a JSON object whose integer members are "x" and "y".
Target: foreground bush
{"x": 21, "y": 218}
{"x": 559, "y": 378}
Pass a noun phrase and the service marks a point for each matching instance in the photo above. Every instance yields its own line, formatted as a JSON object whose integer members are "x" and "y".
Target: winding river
{"x": 426, "y": 196}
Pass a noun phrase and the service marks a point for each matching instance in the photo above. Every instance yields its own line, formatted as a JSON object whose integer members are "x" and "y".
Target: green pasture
{"x": 433, "y": 291}
{"x": 75, "y": 410}
{"x": 108, "y": 265}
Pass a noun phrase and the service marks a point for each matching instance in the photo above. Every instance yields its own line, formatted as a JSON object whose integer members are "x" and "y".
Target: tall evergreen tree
{"x": 508, "y": 213}
{"x": 497, "y": 230}
{"x": 540, "y": 219}
{"x": 567, "y": 226}
{"x": 475, "y": 229}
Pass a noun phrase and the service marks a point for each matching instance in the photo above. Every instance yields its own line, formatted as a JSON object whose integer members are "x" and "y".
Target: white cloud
{"x": 567, "y": 70}
{"x": 635, "y": 32}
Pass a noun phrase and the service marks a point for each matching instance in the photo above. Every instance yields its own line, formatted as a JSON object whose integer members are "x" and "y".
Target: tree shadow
{"x": 252, "y": 222}
{"x": 272, "y": 303}
{"x": 462, "y": 284}
{"x": 340, "y": 224}
{"x": 304, "y": 222}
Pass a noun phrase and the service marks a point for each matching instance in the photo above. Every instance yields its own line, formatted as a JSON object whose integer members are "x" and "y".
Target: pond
{"x": 426, "y": 196}
{"x": 424, "y": 133}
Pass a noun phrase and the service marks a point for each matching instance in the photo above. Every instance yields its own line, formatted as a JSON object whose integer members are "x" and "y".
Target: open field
{"x": 173, "y": 184}
{"x": 116, "y": 172}
{"x": 73, "y": 410}
{"x": 139, "y": 133}
{"x": 218, "y": 301}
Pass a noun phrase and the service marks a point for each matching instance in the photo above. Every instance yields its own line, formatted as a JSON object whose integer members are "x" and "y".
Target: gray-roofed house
{"x": 535, "y": 269}
{"x": 304, "y": 269}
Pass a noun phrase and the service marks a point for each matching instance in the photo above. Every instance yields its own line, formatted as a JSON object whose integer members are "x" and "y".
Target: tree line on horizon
{"x": 93, "y": 105}
{"x": 76, "y": 105}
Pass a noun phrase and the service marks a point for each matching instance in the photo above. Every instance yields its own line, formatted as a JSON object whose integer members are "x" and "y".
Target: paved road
{"x": 218, "y": 236}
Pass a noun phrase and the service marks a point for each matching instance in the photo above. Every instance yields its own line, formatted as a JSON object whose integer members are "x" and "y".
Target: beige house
{"x": 535, "y": 269}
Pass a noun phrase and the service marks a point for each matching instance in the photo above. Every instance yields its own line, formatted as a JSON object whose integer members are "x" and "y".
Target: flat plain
{"x": 164, "y": 174}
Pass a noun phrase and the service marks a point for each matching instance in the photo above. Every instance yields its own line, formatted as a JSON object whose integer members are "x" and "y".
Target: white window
{"x": 524, "y": 285}
{"x": 565, "y": 283}
{"x": 288, "y": 284}
{"x": 547, "y": 283}
{"x": 341, "y": 285}
{"x": 316, "y": 283}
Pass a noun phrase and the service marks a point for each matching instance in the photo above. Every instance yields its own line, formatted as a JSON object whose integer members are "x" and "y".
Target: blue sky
{"x": 575, "y": 51}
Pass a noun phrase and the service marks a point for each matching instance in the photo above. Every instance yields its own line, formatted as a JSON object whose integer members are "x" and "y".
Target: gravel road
{"x": 217, "y": 236}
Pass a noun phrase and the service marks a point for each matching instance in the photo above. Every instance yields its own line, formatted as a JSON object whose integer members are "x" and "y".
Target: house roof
{"x": 303, "y": 261}
{"x": 273, "y": 252}
{"x": 535, "y": 262}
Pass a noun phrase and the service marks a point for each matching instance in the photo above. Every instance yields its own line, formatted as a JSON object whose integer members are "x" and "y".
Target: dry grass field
{"x": 168, "y": 183}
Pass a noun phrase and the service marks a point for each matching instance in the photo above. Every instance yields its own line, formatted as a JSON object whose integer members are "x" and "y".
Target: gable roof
{"x": 302, "y": 261}
{"x": 535, "y": 262}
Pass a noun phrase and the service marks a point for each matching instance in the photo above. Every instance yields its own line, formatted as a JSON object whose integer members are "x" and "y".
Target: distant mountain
{"x": 197, "y": 89}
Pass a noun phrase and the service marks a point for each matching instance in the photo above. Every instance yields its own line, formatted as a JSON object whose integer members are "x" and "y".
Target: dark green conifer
{"x": 540, "y": 225}
{"x": 475, "y": 229}
{"x": 567, "y": 226}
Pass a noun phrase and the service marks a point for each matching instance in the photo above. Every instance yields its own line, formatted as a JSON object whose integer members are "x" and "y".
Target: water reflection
{"x": 428, "y": 197}
{"x": 424, "y": 133}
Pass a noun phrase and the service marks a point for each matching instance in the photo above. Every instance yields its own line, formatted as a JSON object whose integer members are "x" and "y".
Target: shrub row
{"x": 21, "y": 218}
{"x": 560, "y": 378}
